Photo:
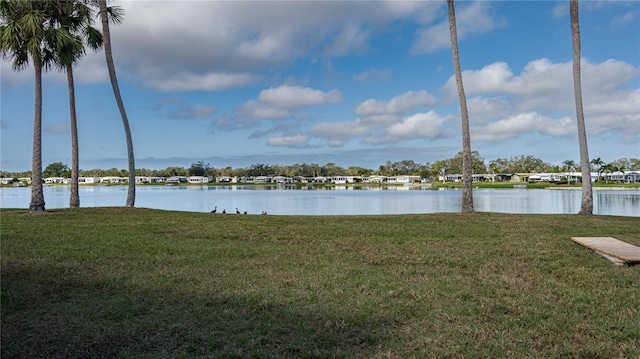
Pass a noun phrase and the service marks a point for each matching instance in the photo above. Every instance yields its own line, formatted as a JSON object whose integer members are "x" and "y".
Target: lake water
{"x": 331, "y": 200}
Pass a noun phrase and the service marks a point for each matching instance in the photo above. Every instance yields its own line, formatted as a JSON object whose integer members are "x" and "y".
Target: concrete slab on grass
{"x": 614, "y": 260}
{"x": 612, "y": 247}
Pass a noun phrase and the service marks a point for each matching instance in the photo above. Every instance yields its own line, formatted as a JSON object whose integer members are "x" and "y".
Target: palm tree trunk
{"x": 37, "y": 194}
{"x": 131, "y": 194}
{"x": 586, "y": 206}
{"x": 74, "y": 200}
{"x": 467, "y": 169}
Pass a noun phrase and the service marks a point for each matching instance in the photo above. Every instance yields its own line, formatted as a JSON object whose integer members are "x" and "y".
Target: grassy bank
{"x": 137, "y": 283}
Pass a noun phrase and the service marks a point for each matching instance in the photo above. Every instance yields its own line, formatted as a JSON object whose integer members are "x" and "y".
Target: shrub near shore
{"x": 138, "y": 283}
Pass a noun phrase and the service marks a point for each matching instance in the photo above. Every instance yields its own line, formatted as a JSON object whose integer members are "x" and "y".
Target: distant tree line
{"x": 515, "y": 164}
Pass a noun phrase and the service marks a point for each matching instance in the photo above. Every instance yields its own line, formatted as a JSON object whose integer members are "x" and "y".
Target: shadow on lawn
{"x": 51, "y": 314}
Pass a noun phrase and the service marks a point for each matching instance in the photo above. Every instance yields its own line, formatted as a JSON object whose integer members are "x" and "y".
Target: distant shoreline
{"x": 433, "y": 186}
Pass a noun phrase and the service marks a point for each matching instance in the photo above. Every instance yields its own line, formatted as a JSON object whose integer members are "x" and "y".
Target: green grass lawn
{"x": 139, "y": 283}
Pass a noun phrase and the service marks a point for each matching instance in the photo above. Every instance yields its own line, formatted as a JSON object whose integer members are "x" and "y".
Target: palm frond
{"x": 116, "y": 14}
{"x": 93, "y": 37}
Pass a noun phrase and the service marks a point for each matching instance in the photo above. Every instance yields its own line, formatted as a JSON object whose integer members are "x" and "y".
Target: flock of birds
{"x": 224, "y": 211}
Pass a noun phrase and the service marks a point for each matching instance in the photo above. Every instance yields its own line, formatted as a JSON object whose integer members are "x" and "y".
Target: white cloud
{"x": 11, "y": 77}
{"x": 335, "y": 143}
{"x": 282, "y": 103}
{"x": 91, "y": 69}
{"x": 238, "y": 37}
{"x": 599, "y": 5}
{"x": 175, "y": 107}
{"x": 490, "y": 79}
{"x": 542, "y": 98}
{"x": 616, "y": 112}
{"x": 337, "y": 133}
{"x": 618, "y": 103}
{"x": 397, "y": 105}
{"x": 224, "y": 43}
{"x": 196, "y": 111}
{"x": 607, "y": 75}
{"x": 475, "y": 19}
{"x": 523, "y": 123}
{"x": 432, "y": 39}
{"x": 485, "y": 109}
{"x": 352, "y": 39}
{"x": 204, "y": 82}
{"x": 264, "y": 46}
{"x": 373, "y": 75}
{"x": 419, "y": 125}
{"x": 545, "y": 85}
{"x": 386, "y": 121}
{"x": 423, "y": 11}
{"x": 289, "y": 97}
{"x": 624, "y": 19}
{"x": 295, "y": 140}
{"x": 561, "y": 10}
{"x": 255, "y": 109}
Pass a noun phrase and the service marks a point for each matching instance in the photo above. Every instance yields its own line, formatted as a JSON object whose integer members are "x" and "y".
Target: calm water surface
{"x": 331, "y": 201}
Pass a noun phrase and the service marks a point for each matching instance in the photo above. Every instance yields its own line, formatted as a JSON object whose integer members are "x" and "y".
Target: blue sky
{"x": 354, "y": 83}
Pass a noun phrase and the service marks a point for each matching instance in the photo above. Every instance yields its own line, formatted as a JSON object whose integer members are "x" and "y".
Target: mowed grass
{"x": 139, "y": 283}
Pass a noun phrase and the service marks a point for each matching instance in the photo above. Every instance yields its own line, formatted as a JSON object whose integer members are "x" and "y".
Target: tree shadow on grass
{"x": 49, "y": 314}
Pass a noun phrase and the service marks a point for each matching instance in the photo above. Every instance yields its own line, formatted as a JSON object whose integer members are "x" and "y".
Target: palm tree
{"x": 467, "y": 169}
{"x": 569, "y": 166}
{"x": 607, "y": 168}
{"x": 618, "y": 168}
{"x": 76, "y": 18}
{"x": 25, "y": 33}
{"x": 586, "y": 206}
{"x": 104, "y": 16}
{"x": 598, "y": 163}
{"x": 493, "y": 166}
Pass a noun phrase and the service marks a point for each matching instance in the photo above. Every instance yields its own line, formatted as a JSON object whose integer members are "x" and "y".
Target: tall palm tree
{"x": 22, "y": 37}
{"x": 586, "y": 206}
{"x": 25, "y": 33}
{"x": 467, "y": 169}
{"x": 76, "y": 18}
{"x": 104, "y": 16}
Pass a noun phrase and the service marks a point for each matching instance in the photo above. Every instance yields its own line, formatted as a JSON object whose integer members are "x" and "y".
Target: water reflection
{"x": 611, "y": 203}
{"x": 339, "y": 200}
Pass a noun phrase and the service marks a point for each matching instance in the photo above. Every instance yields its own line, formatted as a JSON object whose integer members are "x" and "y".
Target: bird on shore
{"x": 237, "y": 212}
{"x": 215, "y": 210}
{"x": 224, "y": 211}
{"x": 245, "y": 212}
